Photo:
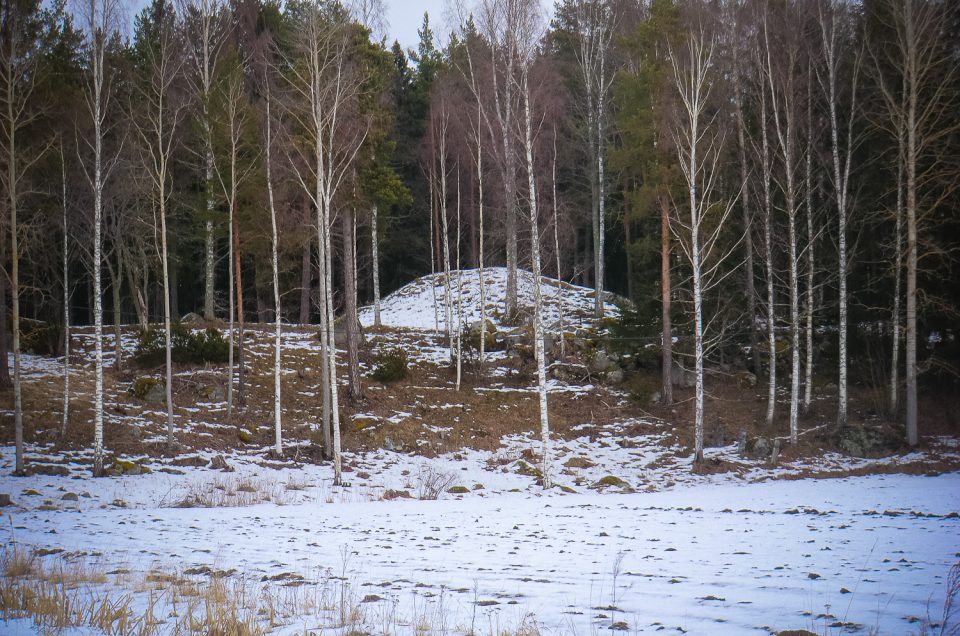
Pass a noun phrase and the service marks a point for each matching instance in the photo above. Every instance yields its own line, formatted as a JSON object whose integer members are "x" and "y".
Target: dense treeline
{"x": 774, "y": 183}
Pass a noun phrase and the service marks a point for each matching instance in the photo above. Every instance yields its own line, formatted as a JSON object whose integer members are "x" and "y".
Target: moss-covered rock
{"x": 458, "y": 490}
{"x": 149, "y": 389}
{"x": 365, "y": 422}
{"x": 610, "y": 481}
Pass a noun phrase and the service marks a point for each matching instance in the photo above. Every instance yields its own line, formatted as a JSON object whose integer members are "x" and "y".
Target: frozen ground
{"x": 709, "y": 556}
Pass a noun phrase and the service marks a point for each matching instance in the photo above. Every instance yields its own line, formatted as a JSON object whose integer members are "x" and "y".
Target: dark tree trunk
{"x": 667, "y": 343}
{"x": 350, "y": 319}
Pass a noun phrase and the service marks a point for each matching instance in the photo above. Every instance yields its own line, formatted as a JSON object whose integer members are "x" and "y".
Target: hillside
{"x": 420, "y": 303}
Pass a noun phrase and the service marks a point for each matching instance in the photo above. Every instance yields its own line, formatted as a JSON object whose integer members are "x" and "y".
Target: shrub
{"x": 391, "y": 365}
{"x": 186, "y": 346}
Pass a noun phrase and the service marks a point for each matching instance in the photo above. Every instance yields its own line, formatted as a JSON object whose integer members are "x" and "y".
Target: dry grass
{"x": 232, "y": 491}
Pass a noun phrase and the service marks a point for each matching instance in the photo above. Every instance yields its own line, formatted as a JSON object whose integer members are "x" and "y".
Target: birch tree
{"x": 156, "y": 115}
{"x": 699, "y": 143}
{"x": 324, "y": 89}
{"x": 594, "y": 22}
{"x": 528, "y": 32}
{"x": 231, "y": 166}
{"x": 835, "y": 38}
{"x": 65, "y": 259}
{"x": 275, "y": 267}
{"x": 500, "y": 25}
{"x": 921, "y": 98}
{"x": 205, "y": 28}
{"x": 19, "y": 70}
{"x": 782, "y": 83}
{"x": 100, "y": 20}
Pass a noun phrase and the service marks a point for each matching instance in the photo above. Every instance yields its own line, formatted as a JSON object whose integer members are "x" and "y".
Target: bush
{"x": 391, "y": 365}
{"x": 39, "y": 337}
{"x": 186, "y": 346}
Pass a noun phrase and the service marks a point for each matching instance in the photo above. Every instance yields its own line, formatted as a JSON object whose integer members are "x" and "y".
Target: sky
{"x": 404, "y": 17}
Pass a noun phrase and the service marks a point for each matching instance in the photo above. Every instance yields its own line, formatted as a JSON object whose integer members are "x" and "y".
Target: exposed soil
{"x": 424, "y": 411}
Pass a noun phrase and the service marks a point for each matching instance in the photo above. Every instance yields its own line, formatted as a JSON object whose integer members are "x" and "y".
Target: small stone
{"x": 219, "y": 463}
{"x": 5, "y": 500}
{"x": 70, "y": 496}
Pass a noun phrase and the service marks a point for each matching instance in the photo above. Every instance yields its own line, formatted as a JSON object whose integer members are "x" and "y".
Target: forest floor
{"x": 443, "y": 526}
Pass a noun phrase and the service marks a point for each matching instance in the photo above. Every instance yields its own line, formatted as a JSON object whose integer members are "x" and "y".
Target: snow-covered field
{"x": 712, "y": 556}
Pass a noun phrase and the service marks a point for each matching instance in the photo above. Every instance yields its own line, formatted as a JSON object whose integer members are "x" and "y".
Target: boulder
{"x": 864, "y": 441}
{"x": 745, "y": 380}
{"x": 615, "y": 377}
{"x": 213, "y": 393}
{"x": 602, "y": 362}
{"x": 192, "y": 318}
{"x": 683, "y": 378}
{"x": 759, "y": 448}
{"x": 219, "y": 463}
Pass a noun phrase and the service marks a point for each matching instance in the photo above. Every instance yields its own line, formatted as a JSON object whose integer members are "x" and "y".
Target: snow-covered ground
{"x": 709, "y": 556}
{"x": 466, "y": 541}
{"x": 412, "y": 306}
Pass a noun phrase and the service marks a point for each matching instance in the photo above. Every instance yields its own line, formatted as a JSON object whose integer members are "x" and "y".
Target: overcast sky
{"x": 404, "y": 17}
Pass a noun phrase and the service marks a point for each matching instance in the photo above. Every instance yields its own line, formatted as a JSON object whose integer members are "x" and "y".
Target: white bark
{"x": 66, "y": 302}
{"x": 444, "y": 230}
{"x": 324, "y": 87}
{"x": 99, "y": 20}
{"x": 538, "y": 330}
{"x": 699, "y": 148}
{"x": 895, "y": 321}
{"x": 783, "y": 89}
{"x": 767, "y": 170}
{"x": 556, "y": 244}
{"x": 278, "y": 326}
{"x": 834, "y": 53}
{"x": 483, "y": 290}
{"x": 811, "y": 254}
{"x": 595, "y": 22}
{"x": 459, "y": 327}
{"x": 375, "y": 266}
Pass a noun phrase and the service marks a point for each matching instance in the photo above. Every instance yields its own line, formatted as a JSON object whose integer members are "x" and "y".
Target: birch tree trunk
{"x": 811, "y": 252}
{"x": 459, "y": 326}
{"x": 833, "y": 53}
{"x": 749, "y": 277}
{"x": 895, "y": 325}
{"x": 375, "y": 265}
{"x": 556, "y": 245}
{"x": 275, "y": 262}
{"x": 699, "y": 149}
{"x": 767, "y": 171}
{"x": 483, "y": 289}
{"x": 785, "y": 129}
{"x": 538, "y": 330}
{"x": 99, "y": 19}
{"x": 65, "y": 422}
